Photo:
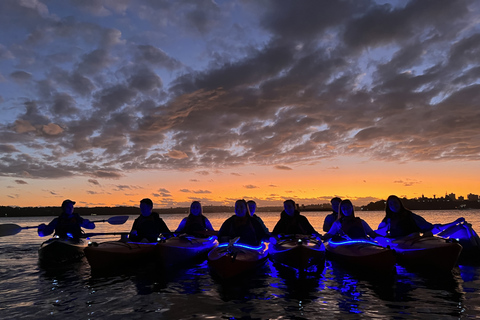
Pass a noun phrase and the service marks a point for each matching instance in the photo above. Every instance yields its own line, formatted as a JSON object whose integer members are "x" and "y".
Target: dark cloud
{"x": 21, "y": 182}
{"x": 8, "y": 148}
{"x": 280, "y": 167}
{"x": 94, "y": 181}
{"x": 250, "y": 186}
{"x": 389, "y": 82}
{"x": 20, "y": 76}
{"x": 156, "y": 56}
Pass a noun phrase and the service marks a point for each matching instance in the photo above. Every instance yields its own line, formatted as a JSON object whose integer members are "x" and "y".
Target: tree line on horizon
{"x": 412, "y": 204}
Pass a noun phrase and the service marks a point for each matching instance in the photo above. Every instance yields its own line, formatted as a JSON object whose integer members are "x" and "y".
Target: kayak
{"x": 361, "y": 254}
{"x": 302, "y": 252}
{"x": 58, "y": 251}
{"x": 181, "y": 249}
{"x": 424, "y": 252}
{"x": 228, "y": 260}
{"x": 464, "y": 234}
{"x": 114, "y": 254}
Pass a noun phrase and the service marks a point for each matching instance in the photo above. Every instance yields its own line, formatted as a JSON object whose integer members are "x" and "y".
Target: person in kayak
{"x": 292, "y": 222}
{"x": 242, "y": 225}
{"x": 349, "y": 225}
{"x": 400, "y": 222}
{"x": 149, "y": 225}
{"x": 332, "y": 217}
{"x": 67, "y": 224}
{"x": 252, "y": 206}
{"x": 196, "y": 223}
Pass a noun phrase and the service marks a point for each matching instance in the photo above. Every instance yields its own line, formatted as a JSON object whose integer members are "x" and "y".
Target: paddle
{"x": 92, "y": 234}
{"x": 10, "y": 229}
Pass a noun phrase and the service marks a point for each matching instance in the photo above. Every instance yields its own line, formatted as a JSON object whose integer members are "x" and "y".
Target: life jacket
{"x": 353, "y": 227}
{"x": 147, "y": 227}
{"x": 402, "y": 224}
{"x": 246, "y": 231}
{"x": 195, "y": 223}
{"x": 69, "y": 227}
{"x": 292, "y": 225}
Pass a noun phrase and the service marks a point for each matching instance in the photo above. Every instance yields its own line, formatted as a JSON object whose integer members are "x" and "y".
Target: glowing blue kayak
{"x": 185, "y": 248}
{"x": 230, "y": 260}
{"x": 464, "y": 234}
{"x": 302, "y": 252}
{"x": 362, "y": 254}
{"x": 424, "y": 252}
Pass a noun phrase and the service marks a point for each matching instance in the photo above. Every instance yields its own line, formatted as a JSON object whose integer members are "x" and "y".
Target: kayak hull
{"x": 301, "y": 253}
{"x": 184, "y": 249}
{"x": 426, "y": 252}
{"x": 464, "y": 234}
{"x": 228, "y": 261}
{"x": 58, "y": 251}
{"x": 114, "y": 254}
{"x": 362, "y": 255}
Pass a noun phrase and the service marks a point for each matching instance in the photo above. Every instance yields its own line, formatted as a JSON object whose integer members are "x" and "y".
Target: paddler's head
{"x": 346, "y": 208}
{"x": 146, "y": 206}
{"x": 394, "y": 204}
{"x": 67, "y": 207}
{"x": 252, "y": 206}
{"x": 289, "y": 207}
{"x": 335, "y": 203}
{"x": 196, "y": 208}
{"x": 241, "y": 208}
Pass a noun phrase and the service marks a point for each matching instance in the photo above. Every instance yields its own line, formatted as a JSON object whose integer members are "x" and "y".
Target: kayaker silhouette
{"x": 349, "y": 225}
{"x": 400, "y": 222}
{"x": 332, "y": 217}
{"x": 242, "y": 225}
{"x": 292, "y": 222}
{"x": 252, "y": 206}
{"x": 195, "y": 223}
{"x": 148, "y": 226}
{"x": 67, "y": 225}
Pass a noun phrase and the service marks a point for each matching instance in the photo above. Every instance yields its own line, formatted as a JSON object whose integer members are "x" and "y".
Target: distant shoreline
{"x": 412, "y": 204}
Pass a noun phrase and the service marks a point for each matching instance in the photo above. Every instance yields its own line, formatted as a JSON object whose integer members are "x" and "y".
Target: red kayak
{"x": 361, "y": 254}
{"x": 182, "y": 249}
{"x": 230, "y": 260}
{"x": 112, "y": 254}
{"x": 58, "y": 251}
{"x": 302, "y": 252}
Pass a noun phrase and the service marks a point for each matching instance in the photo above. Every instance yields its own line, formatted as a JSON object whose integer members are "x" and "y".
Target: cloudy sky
{"x": 110, "y": 101}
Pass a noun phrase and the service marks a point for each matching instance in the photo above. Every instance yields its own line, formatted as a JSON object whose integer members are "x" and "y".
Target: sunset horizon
{"x": 110, "y": 102}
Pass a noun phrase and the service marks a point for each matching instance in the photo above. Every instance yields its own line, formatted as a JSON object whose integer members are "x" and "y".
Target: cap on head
{"x": 65, "y": 202}
{"x": 147, "y": 201}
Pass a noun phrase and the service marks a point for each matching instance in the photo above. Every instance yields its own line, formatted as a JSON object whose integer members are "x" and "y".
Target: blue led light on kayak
{"x": 352, "y": 242}
{"x": 240, "y": 245}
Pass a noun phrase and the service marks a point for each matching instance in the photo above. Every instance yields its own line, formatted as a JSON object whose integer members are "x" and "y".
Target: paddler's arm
{"x": 87, "y": 224}
{"x": 425, "y": 226}
{"x": 383, "y": 227}
{"x": 208, "y": 225}
{"x": 336, "y": 227}
{"x": 46, "y": 229}
{"x": 181, "y": 226}
{"x": 368, "y": 230}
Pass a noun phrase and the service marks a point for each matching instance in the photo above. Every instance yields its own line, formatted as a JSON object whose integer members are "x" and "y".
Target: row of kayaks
{"x": 304, "y": 253}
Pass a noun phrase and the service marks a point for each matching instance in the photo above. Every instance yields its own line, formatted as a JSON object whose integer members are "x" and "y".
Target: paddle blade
{"x": 118, "y": 219}
{"x": 9, "y": 229}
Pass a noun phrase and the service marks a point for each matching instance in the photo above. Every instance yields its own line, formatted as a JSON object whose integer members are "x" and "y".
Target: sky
{"x": 106, "y": 102}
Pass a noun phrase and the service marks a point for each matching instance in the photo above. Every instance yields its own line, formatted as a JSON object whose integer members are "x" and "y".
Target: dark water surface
{"x": 28, "y": 291}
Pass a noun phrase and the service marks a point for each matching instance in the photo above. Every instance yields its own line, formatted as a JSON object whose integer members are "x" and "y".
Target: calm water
{"x": 28, "y": 291}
